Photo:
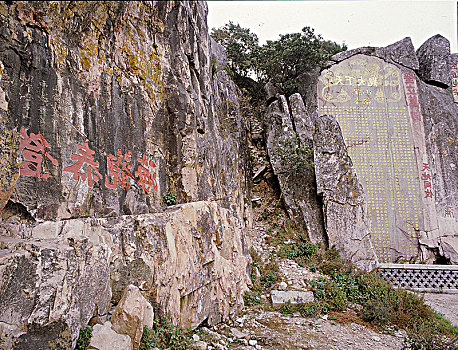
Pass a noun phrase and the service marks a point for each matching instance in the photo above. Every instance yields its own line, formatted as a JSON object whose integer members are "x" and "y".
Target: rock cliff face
{"x": 385, "y": 153}
{"x": 112, "y": 105}
{"x": 282, "y": 122}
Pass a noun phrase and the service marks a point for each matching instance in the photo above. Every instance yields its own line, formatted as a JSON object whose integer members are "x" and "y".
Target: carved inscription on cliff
{"x": 367, "y": 96}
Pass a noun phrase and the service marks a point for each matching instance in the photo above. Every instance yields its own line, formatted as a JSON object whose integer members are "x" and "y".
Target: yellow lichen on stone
{"x": 10, "y": 162}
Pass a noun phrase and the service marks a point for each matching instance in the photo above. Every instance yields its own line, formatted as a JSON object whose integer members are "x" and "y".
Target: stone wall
{"x": 106, "y": 107}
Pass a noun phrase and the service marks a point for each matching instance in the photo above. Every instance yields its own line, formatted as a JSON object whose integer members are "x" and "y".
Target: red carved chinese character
{"x": 146, "y": 180}
{"x": 425, "y": 176}
{"x": 411, "y": 90}
{"x": 428, "y": 193}
{"x": 449, "y": 212}
{"x": 85, "y": 156}
{"x": 409, "y": 77}
{"x": 415, "y": 115}
{"x": 413, "y": 101}
{"x": 33, "y": 148}
{"x": 425, "y": 167}
{"x": 119, "y": 170}
{"x": 426, "y": 184}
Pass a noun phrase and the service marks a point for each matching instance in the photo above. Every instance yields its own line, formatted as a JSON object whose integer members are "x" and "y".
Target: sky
{"x": 355, "y": 23}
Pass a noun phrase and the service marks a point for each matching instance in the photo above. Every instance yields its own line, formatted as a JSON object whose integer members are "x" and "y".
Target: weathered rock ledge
{"x": 190, "y": 261}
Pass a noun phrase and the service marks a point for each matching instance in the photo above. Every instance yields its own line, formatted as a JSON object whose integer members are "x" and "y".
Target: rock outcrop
{"x": 344, "y": 206}
{"x": 434, "y": 59}
{"x": 191, "y": 261}
{"x": 288, "y": 128}
{"x": 132, "y": 314}
{"x": 385, "y": 153}
{"x": 111, "y": 106}
{"x": 105, "y": 338}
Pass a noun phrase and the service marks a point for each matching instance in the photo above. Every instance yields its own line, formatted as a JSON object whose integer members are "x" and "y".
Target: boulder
{"x": 449, "y": 248}
{"x": 285, "y": 130}
{"x": 191, "y": 260}
{"x": 401, "y": 52}
{"x": 105, "y": 338}
{"x": 343, "y": 196}
{"x": 132, "y": 314}
{"x": 280, "y": 297}
{"x": 434, "y": 59}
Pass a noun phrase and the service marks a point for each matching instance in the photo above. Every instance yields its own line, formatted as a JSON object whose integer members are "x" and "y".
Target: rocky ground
{"x": 445, "y": 304}
{"x": 259, "y": 327}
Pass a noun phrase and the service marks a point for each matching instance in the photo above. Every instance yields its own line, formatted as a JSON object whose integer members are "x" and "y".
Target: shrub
{"x": 330, "y": 293}
{"x": 425, "y": 335}
{"x": 165, "y": 334}
{"x": 312, "y": 309}
{"x": 84, "y": 338}
{"x": 170, "y": 199}
{"x": 294, "y": 155}
{"x": 251, "y": 298}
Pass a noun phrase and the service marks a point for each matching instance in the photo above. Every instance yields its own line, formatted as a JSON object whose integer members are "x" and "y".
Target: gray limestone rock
{"x": 341, "y": 56}
{"x": 440, "y": 127}
{"x": 449, "y": 247}
{"x": 298, "y": 187}
{"x": 132, "y": 314}
{"x": 143, "y": 93}
{"x": 434, "y": 59}
{"x": 343, "y": 196}
{"x": 401, "y": 52}
{"x": 117, "y": 104}
{"x": 192, "y": 254}
{"x": 280, "y": 297}
{"x": 105, "y": 338}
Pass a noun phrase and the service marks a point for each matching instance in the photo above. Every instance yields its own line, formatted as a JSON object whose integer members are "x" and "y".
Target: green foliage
{"x": 312, "y": 309}
{"x": 170, "y": 198}
{"x": 425, "y": 335}
{"x": 84, "y": 338}
{"x": 293, "y": 155}
{"x": 280, "y": 61}
{"x": 330, "y": 293}
{"x": 240, "y": 45}
{"x": 380, "y": 303}
{"x": 269, "y": 274}
{"x": 251, "y": 298}
{"x": 301, "y": 251}
{"x": 165, "y": 335}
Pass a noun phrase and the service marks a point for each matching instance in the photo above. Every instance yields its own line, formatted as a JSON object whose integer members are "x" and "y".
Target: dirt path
{"x": 273, "y": 331}
{"x": 445, "y": 304}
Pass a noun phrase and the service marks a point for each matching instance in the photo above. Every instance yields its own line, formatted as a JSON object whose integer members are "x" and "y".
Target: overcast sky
{"x": 357, "y": 23}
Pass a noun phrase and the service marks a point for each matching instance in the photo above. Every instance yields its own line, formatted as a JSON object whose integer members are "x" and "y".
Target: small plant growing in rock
{"x": 294, "y": 155}
{"x": 84, "y": 338}
{"x": 165, "y": 335}
{"x": 251, "y": 298}
{"x": 170, "y": 198}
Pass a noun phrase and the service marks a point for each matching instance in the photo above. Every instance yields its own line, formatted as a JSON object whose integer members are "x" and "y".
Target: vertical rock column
{"x": 343, "y": 196}
{"x": 298, "y": 188}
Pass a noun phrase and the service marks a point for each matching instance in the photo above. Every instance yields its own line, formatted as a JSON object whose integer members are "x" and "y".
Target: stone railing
{"x": 433, "y": 278}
